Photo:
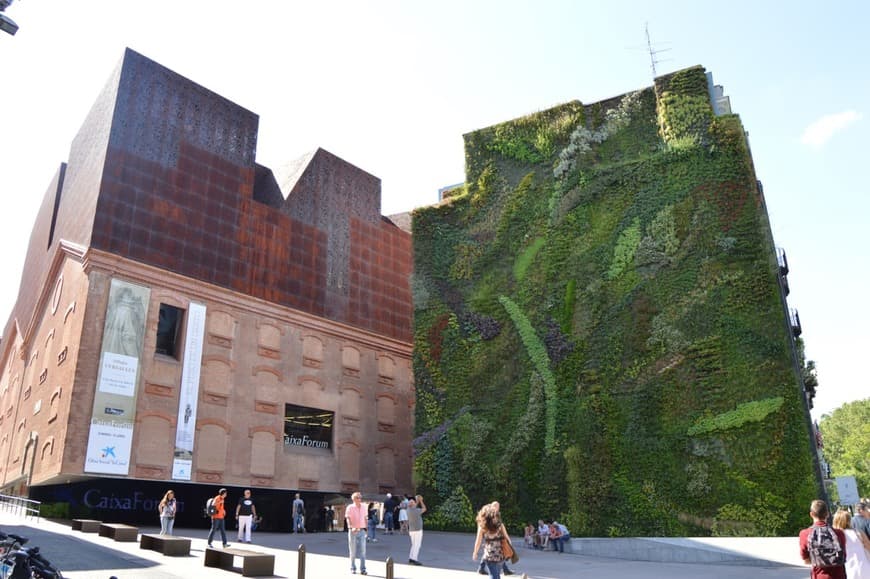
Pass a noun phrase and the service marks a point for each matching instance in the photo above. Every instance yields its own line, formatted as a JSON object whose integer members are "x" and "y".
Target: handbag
{"x": 508, "y": 550}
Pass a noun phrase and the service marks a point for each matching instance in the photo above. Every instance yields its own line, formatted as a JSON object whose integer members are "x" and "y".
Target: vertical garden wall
{"x": 599, "y": 334}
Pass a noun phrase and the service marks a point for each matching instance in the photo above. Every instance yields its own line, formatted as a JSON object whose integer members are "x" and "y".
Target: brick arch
{"x": 350, "y": 357}
{"x": 269, "y": 335}
{"x": 49, "y": 338}
{"x": 386, "y": 366}
{"x": 269, "y": 370}
{"x": 312, "y": 351}
{"x": 270, "y": 429}
{"x": 140, "y": 416}
{"x": 386, "y": 409}
{"x": 47, "y": 446}
{"x": 216, "y": 375}
{"x": 389, "y": 395}
{"x": 170, "y": 299}
{"x": 221, "y": 323}
{"x": 309, "y": 378}
{"x": 218, "y": 358}
{"x": 203, "y": 422}
{"x": 69, "y": 310}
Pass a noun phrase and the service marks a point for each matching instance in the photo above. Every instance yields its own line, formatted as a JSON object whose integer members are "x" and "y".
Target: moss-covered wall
{"x": 599, "y": 335}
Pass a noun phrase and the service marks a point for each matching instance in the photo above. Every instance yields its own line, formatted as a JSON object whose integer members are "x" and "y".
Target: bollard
{"x": 300, "y": 563}
{"x": 389, "y": 568}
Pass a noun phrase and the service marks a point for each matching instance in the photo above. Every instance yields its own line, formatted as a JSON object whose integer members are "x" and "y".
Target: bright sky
{"x": 391, "y": 87}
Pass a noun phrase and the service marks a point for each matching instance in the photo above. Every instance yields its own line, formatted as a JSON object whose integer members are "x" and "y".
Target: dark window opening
{"x": 168, "y": 329}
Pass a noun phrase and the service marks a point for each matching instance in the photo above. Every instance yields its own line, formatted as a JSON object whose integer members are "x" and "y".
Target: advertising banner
{"x": 114, "y": 411}
{"x": 182, "y": 461}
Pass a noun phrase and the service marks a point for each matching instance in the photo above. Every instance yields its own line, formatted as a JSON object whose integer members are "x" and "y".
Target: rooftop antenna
{"x": 652, "y": 52}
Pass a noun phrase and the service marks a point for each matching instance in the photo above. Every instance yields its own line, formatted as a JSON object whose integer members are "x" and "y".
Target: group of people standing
{"x": 359, "y": 519}
{"x": 839, "y": 550}
{"x": 396, "y": 514}
{"x": 246, "y": 516}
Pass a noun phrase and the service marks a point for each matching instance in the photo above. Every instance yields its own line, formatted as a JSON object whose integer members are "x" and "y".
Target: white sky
{"x": 391, "y": 87}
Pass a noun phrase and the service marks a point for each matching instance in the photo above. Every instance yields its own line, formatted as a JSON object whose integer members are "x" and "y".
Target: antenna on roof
{"x": 652, "y": 52}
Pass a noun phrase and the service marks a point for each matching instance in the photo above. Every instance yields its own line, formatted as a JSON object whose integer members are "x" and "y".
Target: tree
{"x": 846, "y": 436}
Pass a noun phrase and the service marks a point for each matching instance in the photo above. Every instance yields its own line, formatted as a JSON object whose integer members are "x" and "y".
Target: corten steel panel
{"x": 164, "y": 174}
{"x": 380, "y": 266}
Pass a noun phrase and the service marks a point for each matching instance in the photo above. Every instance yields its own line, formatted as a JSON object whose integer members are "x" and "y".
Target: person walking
{"x": 821, "y": 546}
{"x": 858, "y": 559}
{"x": 298, "y": 515}
{"x": 246, "y": 511}
{"x": 415, "y": 510}
{"x": 490, "y": 533}
{"x": 403, "y": 515}
{"x": 861, "y": 522}
{"x": 355, "y": 518}
{"x": 504, "y": 566}
{"x": 217, "y": 518}
{"x": 167, "y": 509}
{"x": 389, "y": 506}
{"x": 373, "y": 523}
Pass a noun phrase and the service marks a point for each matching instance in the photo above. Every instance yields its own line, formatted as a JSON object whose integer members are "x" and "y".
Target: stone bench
{"x": 86, "y": 525}
{"x": 254, "y": 564}
{"x": 119, "y": 532}
{"x": 166, "y": 544}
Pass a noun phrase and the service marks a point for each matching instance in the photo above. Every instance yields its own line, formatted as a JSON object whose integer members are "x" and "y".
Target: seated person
{"x": 555, "y": 535}
{"x": 529, "y": 536}
{"x": 543, "y": 534}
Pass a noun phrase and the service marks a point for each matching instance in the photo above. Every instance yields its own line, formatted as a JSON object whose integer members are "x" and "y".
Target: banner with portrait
{"x": 182, "y": 461}
{"x": 114, "y": 412}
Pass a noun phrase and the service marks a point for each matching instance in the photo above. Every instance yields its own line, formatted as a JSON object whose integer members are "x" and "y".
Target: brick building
{"x": 187, "y": 319}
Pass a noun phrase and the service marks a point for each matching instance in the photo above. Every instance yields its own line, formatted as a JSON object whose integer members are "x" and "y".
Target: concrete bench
{"x": 166, "y": 544}
{"x": 86, "y": 525}
{"x": 119, "y": 532}
{"x": 254, "y": 564}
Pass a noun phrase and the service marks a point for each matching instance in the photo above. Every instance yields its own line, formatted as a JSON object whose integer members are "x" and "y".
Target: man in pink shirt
{"x": 357, "y": 520}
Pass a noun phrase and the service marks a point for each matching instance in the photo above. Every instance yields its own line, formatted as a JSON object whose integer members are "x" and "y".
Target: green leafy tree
{"x": 846, "y": 434}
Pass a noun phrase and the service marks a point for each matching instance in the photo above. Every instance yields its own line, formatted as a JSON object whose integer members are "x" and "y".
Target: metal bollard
{"x": 389, "y": 568}
{"x": 300, "y": 563}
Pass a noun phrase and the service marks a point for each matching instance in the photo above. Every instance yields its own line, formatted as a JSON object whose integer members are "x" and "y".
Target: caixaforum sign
{"x": 307, "y": 427}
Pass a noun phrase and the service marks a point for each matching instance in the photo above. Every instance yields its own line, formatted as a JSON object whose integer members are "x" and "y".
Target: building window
{"x": 307, "y": 427}
{"x": 168, "y": 329}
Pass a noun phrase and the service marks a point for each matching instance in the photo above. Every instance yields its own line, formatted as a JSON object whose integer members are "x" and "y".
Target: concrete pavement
{"x": 444, "y": 555}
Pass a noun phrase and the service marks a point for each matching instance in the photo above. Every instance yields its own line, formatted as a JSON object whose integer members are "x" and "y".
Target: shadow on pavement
{"x": 69, "y": 553}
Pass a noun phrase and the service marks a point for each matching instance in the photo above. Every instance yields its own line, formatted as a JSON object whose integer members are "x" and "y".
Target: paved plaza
{"x": 444, "y": 555}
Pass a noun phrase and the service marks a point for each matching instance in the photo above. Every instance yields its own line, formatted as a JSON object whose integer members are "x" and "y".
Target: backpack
{"x": 824, "y": 547}
{"x": 210, "y": 509}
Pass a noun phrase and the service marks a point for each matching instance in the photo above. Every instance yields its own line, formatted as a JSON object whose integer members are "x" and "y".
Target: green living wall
{"x": 599, "y": 334}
